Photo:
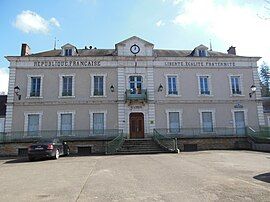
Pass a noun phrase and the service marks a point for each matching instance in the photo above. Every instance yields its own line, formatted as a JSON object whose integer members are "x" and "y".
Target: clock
{"x": 135, "y": 49}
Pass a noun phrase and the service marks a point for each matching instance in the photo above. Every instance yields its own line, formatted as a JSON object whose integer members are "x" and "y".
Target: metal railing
{"x": 202, "y": 132}
{"x": 113, "y": 145}
{"x": 168, "y": 143}
{"x": 21, "y": 136}
{"x": 140, "y": 95}
{"x": 259, "y": 134}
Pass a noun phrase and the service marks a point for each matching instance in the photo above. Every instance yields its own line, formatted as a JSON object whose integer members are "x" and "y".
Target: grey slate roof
{"x": 112, "y": 52}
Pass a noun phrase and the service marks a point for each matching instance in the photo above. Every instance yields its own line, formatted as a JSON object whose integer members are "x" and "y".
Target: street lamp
{"x": 112, "y": 88}
{"x": 160, "y": 88}
{"x": 17, "y": 91}
{"x": 253, "y": 90}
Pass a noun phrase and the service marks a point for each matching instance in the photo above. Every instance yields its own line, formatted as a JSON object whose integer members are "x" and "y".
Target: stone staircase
{"x": 140, "y": 146}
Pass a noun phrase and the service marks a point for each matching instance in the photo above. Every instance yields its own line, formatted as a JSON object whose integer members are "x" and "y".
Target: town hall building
{"x": 132, "y": 87}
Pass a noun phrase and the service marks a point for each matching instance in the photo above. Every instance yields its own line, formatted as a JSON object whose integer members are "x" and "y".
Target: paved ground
{"x": 196, "y": 176}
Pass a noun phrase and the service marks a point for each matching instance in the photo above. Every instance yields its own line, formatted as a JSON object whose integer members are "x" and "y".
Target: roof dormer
{"x": 134, "y": 46}
{"x": 68, "y": 50}
{"x": 200, "y": 51}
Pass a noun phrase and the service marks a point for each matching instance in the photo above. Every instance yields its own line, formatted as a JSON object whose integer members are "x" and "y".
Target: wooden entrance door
{"x": 136, "y": 125}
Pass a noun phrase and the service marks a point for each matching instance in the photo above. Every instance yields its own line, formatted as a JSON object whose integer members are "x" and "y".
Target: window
{"x": 66, "y": 88}
{"x": 66, "y": 122}
{"x": 135, "y": 84}
{"x": 98, "y": 85}
{"x": 172, "y": 85}
{"x": 202, "y": 53}
{"x": 204, "y": 85}
{"x": 98, "y": 123}
{"x": 32, "y": 122}
{"x": 34, "y": 86}
{"x": 207, "y": 122}
{"x": 174, "y": 122}
{"x": 235, "y": 85}
{"x": 68, "y": 52}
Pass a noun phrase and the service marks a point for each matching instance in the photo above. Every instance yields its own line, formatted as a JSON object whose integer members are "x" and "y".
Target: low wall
{"x": 20, "y": 148}
{"x": 213, "y": 143}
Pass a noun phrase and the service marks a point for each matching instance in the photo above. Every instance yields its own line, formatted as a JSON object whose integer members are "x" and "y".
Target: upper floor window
{"x": 204, "y": 85}
{"x": 34, "y": 86}
{"x": 235, "y": 85}
{"x": 98, "y": 85}
{"x": 172, "y": 85}
{"x": 66, "y": 87}
{"x": 135, "y": 84}
{"x": 68, "y": 52}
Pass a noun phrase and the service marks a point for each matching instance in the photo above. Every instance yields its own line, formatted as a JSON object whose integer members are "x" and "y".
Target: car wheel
{"x": 31, "y": 158}
{"x": 67, "y": 152}
{"x": 57, "y": 154}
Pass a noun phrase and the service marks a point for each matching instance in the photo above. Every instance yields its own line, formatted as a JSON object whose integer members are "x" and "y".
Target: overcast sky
{"x": 169, "y": 24}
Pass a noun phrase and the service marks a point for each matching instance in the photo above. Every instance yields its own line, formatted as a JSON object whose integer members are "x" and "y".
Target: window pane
{"x": 35, "y": 86}
{"x": 33, "y": 123}
{"x": 174, "y": 122}
{"x": 98, "y": 85}
{"x": 172, "y": 85}
{"x": 98, "y": 123}
{"x": 66, "y": 121}
{"x": 207, "y": 121}
{"x": 67, "y": 86}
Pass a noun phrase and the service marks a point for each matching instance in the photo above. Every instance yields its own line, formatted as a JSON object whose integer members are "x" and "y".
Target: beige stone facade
{"x": 199, "y": 88}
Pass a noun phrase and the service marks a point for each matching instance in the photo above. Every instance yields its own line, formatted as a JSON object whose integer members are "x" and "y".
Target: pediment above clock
{"x": 123, "y": 48}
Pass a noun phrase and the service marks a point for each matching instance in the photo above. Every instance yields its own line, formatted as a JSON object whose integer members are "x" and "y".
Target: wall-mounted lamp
{"x": 17, "y": 91}
{"x": 253, "y": 90}
{"x": 112, "y": 88}
{"x": 160, "y": 88}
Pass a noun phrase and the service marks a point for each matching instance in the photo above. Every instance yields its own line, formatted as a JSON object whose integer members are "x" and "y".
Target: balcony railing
{"x": 139, "y": 95}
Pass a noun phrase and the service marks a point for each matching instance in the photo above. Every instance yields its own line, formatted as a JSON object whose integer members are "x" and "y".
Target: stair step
{"x": 140, "y": 146}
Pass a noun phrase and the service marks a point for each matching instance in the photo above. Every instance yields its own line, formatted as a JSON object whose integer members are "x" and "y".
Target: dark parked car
{"x": 49, "y": 148}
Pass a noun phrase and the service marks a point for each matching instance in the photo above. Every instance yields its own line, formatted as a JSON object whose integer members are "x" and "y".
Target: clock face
{"x": 135, "y": 49}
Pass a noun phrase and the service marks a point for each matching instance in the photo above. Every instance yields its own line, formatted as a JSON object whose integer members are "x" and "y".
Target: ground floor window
{"x": 98, "y": 123}
{"x": 174, "y": 122}
{"x": 66, "y": 122}
{"x": 207, "y": 122}
{"x": 32, "y": 123}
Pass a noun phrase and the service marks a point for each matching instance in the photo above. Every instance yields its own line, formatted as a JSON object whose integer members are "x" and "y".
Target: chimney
{"x": 25, "y": 50}
{"x": 231, "y": 50}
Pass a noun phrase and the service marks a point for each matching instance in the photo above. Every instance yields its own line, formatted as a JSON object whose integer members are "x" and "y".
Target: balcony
{"x": 140, "y": 95}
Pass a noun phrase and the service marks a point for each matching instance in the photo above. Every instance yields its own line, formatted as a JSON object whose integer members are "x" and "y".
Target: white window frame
{"x": 245, "y": 116}
{"x": 209, "y": 85}
{"x": 61, "y": 85}
{"x": 59, "y": 113}
{"x": 26, "y": 114}
{"x": 91, "y": 114}
{"x": 177, "y": 85}
{"x": 29, "y": 76}
{"x": 213, "y": 111}
{"x": 180, "y": 111}
{"x": 240, "y": 85}
{"x": 104, "y": 85}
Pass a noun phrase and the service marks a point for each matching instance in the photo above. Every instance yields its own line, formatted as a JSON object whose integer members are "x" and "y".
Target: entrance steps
{"x": 140, "y": 146}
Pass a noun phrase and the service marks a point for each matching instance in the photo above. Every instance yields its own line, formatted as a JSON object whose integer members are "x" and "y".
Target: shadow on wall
{"x": 265, "y": 177}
